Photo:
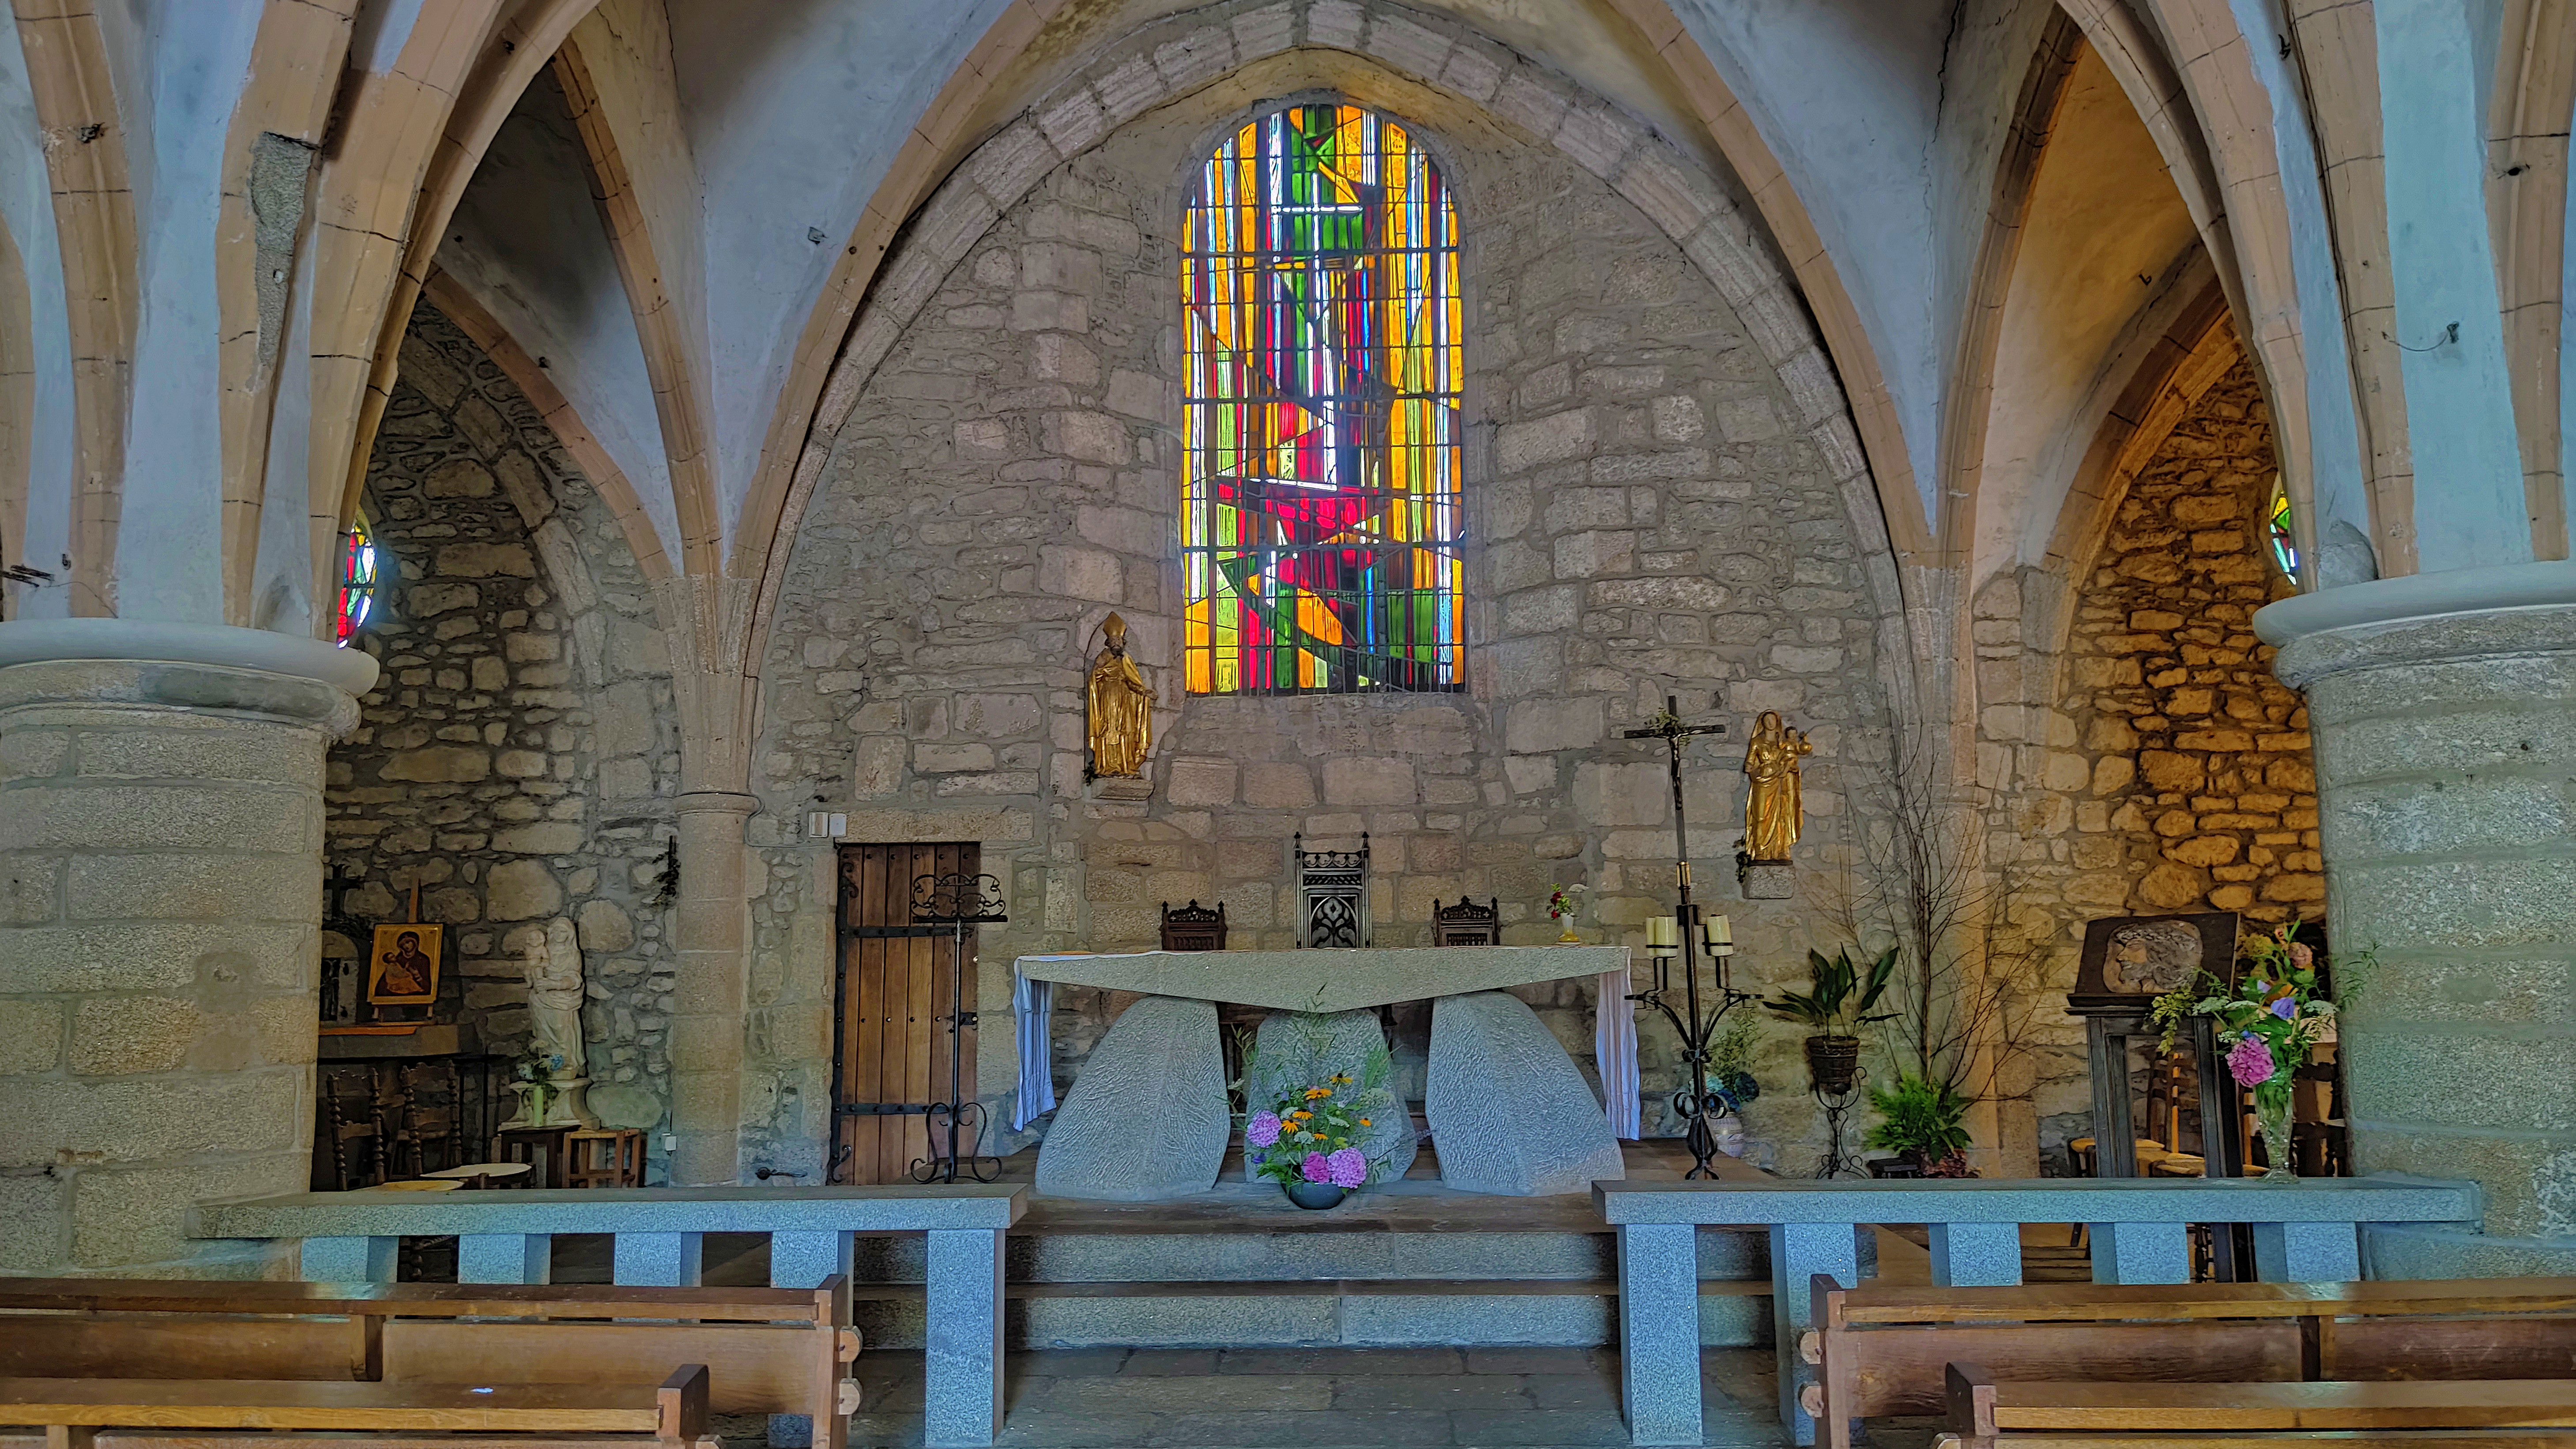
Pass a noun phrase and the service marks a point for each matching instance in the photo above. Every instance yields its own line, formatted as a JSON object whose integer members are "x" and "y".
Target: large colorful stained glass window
{"x": 357, "y": 579}
{"x": 1320, "y": 510}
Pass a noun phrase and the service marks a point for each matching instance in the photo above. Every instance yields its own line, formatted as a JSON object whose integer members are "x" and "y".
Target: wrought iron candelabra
{"x": 1682, "y": 936}
{"x": 961, "y": 902}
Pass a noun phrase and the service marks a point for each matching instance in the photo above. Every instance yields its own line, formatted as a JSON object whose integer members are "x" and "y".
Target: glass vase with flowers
{"x": 2270, "y": 1020}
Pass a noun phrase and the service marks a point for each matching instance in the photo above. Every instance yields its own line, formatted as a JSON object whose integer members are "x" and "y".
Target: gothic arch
{"x": 1192, "y": 52}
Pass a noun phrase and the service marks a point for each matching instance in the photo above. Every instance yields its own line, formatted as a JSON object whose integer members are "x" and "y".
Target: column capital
{"x": 2453, "y": 614}
{"x": 223, "y": 646}
{"x": 729, "y": 802}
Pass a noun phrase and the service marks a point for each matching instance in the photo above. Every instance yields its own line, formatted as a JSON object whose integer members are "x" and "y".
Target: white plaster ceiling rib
{"x": 2105, "y": 244}
{"x": 615, "y": 71}
{"x": 269, "y": 149}
{"x": 94, "y": 221}
{"x": 371, "y": 177}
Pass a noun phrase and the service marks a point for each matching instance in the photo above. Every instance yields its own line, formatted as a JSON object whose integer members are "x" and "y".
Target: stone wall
{"x": 1648, "y": 516}
{"x": 2168, "y": 771}
{"x": 518, "y": 759}
{"x": 2199, "y": 766}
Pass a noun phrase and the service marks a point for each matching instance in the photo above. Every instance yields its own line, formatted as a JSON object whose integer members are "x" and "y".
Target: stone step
{"x": 1273, "y": 1256}
{"x": 1383, "y": 1313}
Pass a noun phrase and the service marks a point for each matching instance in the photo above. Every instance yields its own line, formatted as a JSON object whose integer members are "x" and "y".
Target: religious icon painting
{"x": 402, "y": 970}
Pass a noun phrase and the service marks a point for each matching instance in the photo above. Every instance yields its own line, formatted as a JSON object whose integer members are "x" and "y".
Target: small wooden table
{"x": 424, "y": 1184}
{"x": 541, "y": 1148}
{"x": 487, "y": 1174}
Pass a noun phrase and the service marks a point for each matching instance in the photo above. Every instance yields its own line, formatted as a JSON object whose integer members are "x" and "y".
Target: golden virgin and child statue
{"x": 1121, "y": 708}
{"x": 1773, "y": 812}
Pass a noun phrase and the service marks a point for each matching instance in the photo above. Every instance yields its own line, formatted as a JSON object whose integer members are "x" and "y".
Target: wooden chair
{"x": 672, "y": 1415}
{"x": 1194, "y": 927}
{"x": 1985, "y": 1412}
{"x": 1467, "y": 923}
{"x": 1882, "y": 1351}
{"x": 780, "y": 1350}
{"x": 1332, "y": 895}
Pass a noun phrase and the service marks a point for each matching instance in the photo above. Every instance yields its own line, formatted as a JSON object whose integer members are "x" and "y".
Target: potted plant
{"x": 2271, "y": 1018}
{"x": 1730, "y": 1061}
{"x": 1309, "y": 1142}
{"x": 1924, "y": 1122}
{"x": 1836, "y": 1005}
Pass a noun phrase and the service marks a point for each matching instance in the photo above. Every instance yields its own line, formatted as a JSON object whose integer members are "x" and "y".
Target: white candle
{"x": 1660, "y": 931}
{"x": 1716, "y": 932}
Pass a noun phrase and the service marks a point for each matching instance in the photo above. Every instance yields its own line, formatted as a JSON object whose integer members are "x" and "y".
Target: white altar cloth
{"x": 1327, "y": 981}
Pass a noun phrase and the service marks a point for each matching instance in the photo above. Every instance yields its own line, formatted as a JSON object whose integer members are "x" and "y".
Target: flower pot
{"x": 1313, "y": 1196}
{"x": 1833, "y": 1061}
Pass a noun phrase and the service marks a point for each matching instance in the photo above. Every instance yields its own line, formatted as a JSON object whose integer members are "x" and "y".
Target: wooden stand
{"x": 610, "y": 1158}
{"x": 542, "y": 1148}
{"x": 2107, "y": 1036}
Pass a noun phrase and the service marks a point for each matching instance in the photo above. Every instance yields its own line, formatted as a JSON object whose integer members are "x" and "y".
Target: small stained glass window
{"x": 1320, "y": 512}
{"x": 357, "y": 580}
{"x": 2276, "y": 522}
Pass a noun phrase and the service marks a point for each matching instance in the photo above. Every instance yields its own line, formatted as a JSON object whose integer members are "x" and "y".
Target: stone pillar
{"x": 2444, "y": 711}
{"x": 707, "y": 1007}
{"x": 160, "y": 899}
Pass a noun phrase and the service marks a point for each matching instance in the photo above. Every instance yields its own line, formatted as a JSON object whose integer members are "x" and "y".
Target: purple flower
{"x": 1262, "y": 1130}
{"x": 1347, "y": 1168}
{"x": 1316, "y": 1169}
{"x": 2250, "y": 1061}
{"x": 2285, "y": 1008}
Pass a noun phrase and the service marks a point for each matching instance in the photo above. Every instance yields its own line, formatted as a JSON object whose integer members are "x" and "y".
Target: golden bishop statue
{"x": 1122, "y": 708}
{"x": 1773, "y": 813}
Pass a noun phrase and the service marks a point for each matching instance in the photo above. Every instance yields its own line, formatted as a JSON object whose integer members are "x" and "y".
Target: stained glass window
{"x": 1320, "y": 510}
{"x": 357, "y": 579}
{"x": 2276, "y": 519}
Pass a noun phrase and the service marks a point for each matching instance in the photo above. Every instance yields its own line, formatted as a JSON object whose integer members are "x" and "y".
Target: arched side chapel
{"x": 1652, "y": 508}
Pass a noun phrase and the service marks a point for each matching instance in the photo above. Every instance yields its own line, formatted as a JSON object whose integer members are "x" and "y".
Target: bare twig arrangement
{"x": 1968, "y": 975}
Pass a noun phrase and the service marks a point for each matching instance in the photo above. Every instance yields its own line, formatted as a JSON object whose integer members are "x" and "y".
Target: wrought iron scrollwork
{"x": 959, "y": 901}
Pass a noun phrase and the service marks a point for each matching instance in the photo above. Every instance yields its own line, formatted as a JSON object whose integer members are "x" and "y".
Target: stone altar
{"x": 1329, "y": 983}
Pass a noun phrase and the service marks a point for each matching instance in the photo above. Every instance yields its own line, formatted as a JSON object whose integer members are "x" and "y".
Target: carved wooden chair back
{"x": 1467, "y": 923}
{"x": 1332, "y": 895}
{"x": 1194, "y": 927}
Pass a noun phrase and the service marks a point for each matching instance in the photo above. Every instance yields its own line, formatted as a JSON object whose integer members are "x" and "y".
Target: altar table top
{"x": 1326, "y": 980}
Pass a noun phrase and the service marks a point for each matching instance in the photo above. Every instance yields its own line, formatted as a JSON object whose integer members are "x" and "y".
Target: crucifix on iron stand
{"x": 961, "y": 902}
{"x": 1699, "y": 1103}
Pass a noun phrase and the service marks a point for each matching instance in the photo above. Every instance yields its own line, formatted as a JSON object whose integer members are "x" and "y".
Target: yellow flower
{"x": 1365, "y": 1122}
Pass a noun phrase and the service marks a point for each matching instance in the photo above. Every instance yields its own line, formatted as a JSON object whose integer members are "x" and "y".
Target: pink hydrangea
{"x": 1262, "y": 1130}
{"x": 1347, "y": 1168}
{"x": 1317, "y": 1168}
{"x": 2250, "y": 1061}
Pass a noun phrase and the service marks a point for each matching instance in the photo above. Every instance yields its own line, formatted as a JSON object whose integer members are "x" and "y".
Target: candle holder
{"x": 1680, "y": 938}
{"x": 961, "y": 902}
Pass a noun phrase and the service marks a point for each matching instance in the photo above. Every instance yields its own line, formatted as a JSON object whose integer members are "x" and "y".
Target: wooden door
{"x": 891, "y": 1036}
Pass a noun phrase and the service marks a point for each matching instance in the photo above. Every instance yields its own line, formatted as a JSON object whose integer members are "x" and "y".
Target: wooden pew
{"x": 1985, "y": 1412}
{"x": 769, "y": 1350}
{"x": 373, "y": 1415}
{"x": 1883, "y": 1351}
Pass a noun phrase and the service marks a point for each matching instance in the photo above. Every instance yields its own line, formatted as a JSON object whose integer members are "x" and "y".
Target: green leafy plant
{"x": 1730, "y": 1058}
{"x": 1920, "y": 1118}
{"x": 1839, "y": 993}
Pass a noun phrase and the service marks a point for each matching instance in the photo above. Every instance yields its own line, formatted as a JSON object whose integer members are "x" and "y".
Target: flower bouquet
{"x": 1309, "y": 1144}
{"x": 2270, "y": 1020}
{"x": 1561, "y": 906}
